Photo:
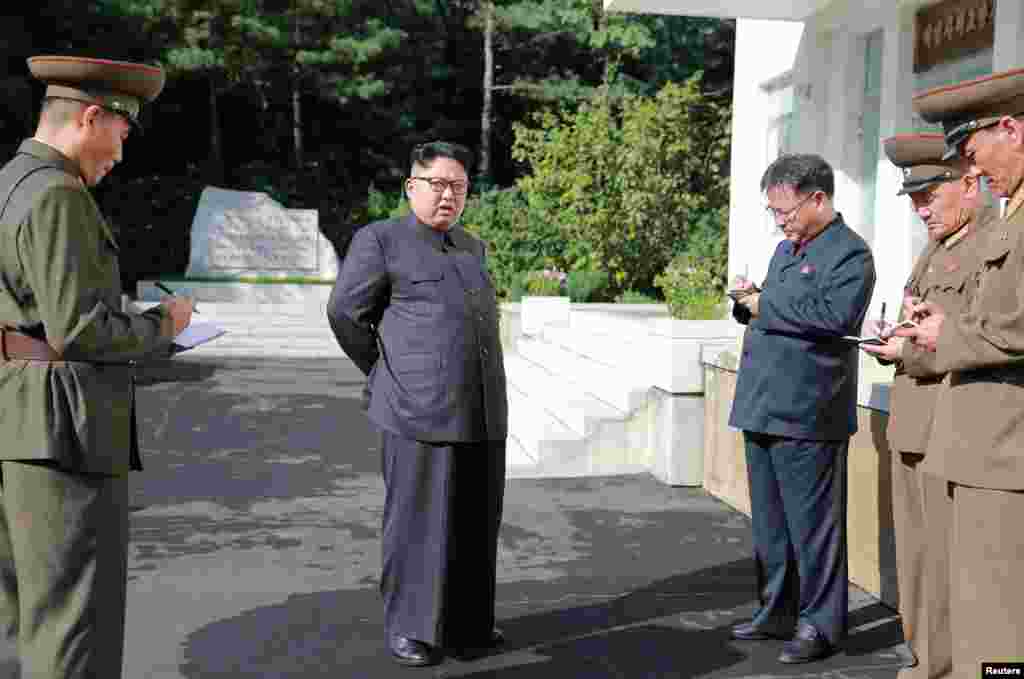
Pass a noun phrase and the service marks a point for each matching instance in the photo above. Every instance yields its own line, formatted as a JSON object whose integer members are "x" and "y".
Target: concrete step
{"x": 542, "y": 435}
{"x": 578, "y": 411}
{"x": 623, "y": 389}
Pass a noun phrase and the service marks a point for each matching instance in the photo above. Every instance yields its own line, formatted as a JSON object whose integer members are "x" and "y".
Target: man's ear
{"x": 972, "y": 186}
{"x": 1014, "y": 127}
{"x": 89, "y": 116}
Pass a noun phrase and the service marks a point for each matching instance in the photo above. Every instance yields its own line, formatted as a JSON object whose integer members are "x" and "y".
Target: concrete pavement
{"x": 255, "y": 551}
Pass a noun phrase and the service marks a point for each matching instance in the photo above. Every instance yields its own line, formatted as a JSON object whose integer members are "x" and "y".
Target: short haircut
{"x": 424, "y": 155}
{"x": 57, "y": 111}
{"x": 805, "y": 172}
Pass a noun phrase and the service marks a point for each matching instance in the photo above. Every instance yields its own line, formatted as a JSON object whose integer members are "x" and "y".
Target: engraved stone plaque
{"x": 242, "y": 233}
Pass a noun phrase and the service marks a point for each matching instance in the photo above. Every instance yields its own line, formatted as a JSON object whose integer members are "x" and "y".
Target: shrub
{"x": 692, "y": 289}
{"x": 625, "y": 180}
{"x": 520, "y": 237}
{"x": 546, "y": 283}
{"x": 587, "y": 286}
{"x": 636, "y": 297}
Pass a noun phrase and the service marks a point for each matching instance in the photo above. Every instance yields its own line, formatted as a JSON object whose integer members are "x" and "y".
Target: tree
{"x": 628, "y": 181}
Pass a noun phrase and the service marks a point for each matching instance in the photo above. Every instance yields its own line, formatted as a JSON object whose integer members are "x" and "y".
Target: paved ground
{"x": 255, "y": 552}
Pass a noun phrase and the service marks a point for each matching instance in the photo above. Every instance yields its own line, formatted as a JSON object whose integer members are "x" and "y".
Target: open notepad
{"x": 875, "y": 339}
{"x": 196, "y": 334}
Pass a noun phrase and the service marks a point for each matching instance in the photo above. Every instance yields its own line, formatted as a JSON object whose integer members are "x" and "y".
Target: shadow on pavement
{"x": 171, "y": 370}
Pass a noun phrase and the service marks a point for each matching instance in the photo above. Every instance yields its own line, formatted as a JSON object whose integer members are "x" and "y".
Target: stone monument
{"x": 247, "y": 234}
{"x": 247, "y": 247}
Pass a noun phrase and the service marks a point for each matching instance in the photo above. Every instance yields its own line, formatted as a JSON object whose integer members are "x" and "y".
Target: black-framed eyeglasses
{"x": 786, "y": 215}
{"x": 438, "y": 185}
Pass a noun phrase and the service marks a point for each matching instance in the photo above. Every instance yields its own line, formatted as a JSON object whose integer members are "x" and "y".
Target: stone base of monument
{"x": 314, "y": 292}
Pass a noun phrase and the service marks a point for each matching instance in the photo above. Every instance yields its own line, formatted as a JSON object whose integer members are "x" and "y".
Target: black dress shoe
{"x": 413, "y": 653}
{"x": 745, "y": 631}
{"x": 807, "y": 645}
{"x": 468, "y": 652}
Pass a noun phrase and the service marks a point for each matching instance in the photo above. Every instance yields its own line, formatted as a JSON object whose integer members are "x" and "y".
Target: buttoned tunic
{"x": 797, "y": 378}
{"x": 942, "y": 274}
{"x": 60, "y": 282}
{"x": 420, "y": 317}
{"x": 977, "y": 437}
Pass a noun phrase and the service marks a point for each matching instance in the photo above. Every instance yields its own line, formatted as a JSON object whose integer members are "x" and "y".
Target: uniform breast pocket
{"x": 422, "y": 286}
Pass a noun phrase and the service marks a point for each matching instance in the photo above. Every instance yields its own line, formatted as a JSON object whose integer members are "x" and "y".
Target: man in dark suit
{"x": 796, "y": 404}
{"x": 415, "y": 308}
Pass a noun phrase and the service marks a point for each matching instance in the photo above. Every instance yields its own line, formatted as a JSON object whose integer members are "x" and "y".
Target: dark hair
{"x": 805, "y": 172}
{"x": 424, "y": 155}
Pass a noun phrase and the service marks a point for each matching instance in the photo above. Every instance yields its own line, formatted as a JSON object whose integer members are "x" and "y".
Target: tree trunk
{"x": 297, "y": 96}
{"x": 485, "y": 120}
{"x": 215, "y": 158}
{"x": 297, "y": 120}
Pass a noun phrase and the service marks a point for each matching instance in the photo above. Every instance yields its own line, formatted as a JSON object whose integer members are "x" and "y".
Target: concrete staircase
{"x": 578, "y": 405}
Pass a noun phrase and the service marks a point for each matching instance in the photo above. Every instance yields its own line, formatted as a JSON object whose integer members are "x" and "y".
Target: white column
{"x": 842, "y": 145}
{"x": 894, "y": 244}
{"x": 764, "y": 50}
{"x": 1009, "y": 43}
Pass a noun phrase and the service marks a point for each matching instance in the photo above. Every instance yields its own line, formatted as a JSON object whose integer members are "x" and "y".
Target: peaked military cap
{"x": 972, "y": 105}
{"x": 921, "y": 157}
{"x": 118, "y": 86}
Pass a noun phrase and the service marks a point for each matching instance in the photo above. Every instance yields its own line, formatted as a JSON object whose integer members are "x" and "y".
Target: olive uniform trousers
{"x": 63, "y": 569}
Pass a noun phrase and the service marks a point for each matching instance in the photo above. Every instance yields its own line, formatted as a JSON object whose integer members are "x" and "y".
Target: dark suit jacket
{"x": 421, "y": 320}
{"x": 796, "y": 378}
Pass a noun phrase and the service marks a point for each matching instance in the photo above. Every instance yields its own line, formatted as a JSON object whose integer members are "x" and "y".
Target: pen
{"x": 881, "y": 316}
{"x": 172, "y": 294}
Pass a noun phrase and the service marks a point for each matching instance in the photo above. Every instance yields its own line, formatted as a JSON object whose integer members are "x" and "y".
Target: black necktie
{"x": 446, "y": 242}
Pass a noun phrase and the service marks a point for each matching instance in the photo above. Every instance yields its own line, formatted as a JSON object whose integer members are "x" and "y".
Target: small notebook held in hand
{"x": 875, "y": 340}
{"x": 196, "y": 334}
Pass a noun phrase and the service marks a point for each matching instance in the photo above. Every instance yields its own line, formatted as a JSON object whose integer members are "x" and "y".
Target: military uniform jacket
{"x": 421, "y": 319}
{"x": 797, "y": 378}
{"x": 60, "y": 282}
{"x": 978, "y": 434}
{"x": 942, "y": 274}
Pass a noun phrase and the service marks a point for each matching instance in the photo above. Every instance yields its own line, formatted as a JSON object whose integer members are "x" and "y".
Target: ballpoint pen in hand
{"x": 173, "y": 294}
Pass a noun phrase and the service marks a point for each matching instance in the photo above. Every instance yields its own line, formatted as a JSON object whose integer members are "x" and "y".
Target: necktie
{"x": 446, "y": 242}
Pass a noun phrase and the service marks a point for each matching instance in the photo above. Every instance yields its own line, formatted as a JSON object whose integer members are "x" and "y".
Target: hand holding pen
{"x": 178, "y": 308}
{"x": 170, "y": 292}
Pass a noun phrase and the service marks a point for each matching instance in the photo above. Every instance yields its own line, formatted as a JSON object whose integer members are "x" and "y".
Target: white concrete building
{"x": 835, "y": 77}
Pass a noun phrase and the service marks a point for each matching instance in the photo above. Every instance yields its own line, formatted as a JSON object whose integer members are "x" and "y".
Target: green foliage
{"x": 546, "y": 283}
{"x": 625, "y": 181}
{"x": 380, "y": 205}
{"x": 519, "y": 236}
{"x": 636, "y": 297}
{"x": 587, "y": 286}
{"x": 692, "y": 289}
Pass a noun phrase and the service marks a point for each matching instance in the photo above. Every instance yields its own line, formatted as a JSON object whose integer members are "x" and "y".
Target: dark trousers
{"x": 440, "y": 539}
{"x": 63, "y": 570}
{"x": 798, "y": 510}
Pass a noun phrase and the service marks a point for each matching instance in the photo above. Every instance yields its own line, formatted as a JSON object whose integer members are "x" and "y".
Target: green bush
{"x": 587, "y": 286}
{"x": 636, "y": 297}
{"x": 520, "y": 237}
{"x": 692, "y": 289}
{"x": 546, "y": 283}
{"x": 625, "y": 180}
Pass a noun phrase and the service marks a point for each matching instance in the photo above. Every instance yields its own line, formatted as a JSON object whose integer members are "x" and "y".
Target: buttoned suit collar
{"x": 434, "y": 238}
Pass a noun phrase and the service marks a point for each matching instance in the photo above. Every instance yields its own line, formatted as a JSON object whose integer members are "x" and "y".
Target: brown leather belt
{"x": 14, "y": 346}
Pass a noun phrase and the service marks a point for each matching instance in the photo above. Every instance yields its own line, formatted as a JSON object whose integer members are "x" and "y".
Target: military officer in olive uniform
{"x": 953, "y": 208}
{"x": 67, "y": 414}
{"x": 977, "y": 439}
{"x": 415, "y": 308}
